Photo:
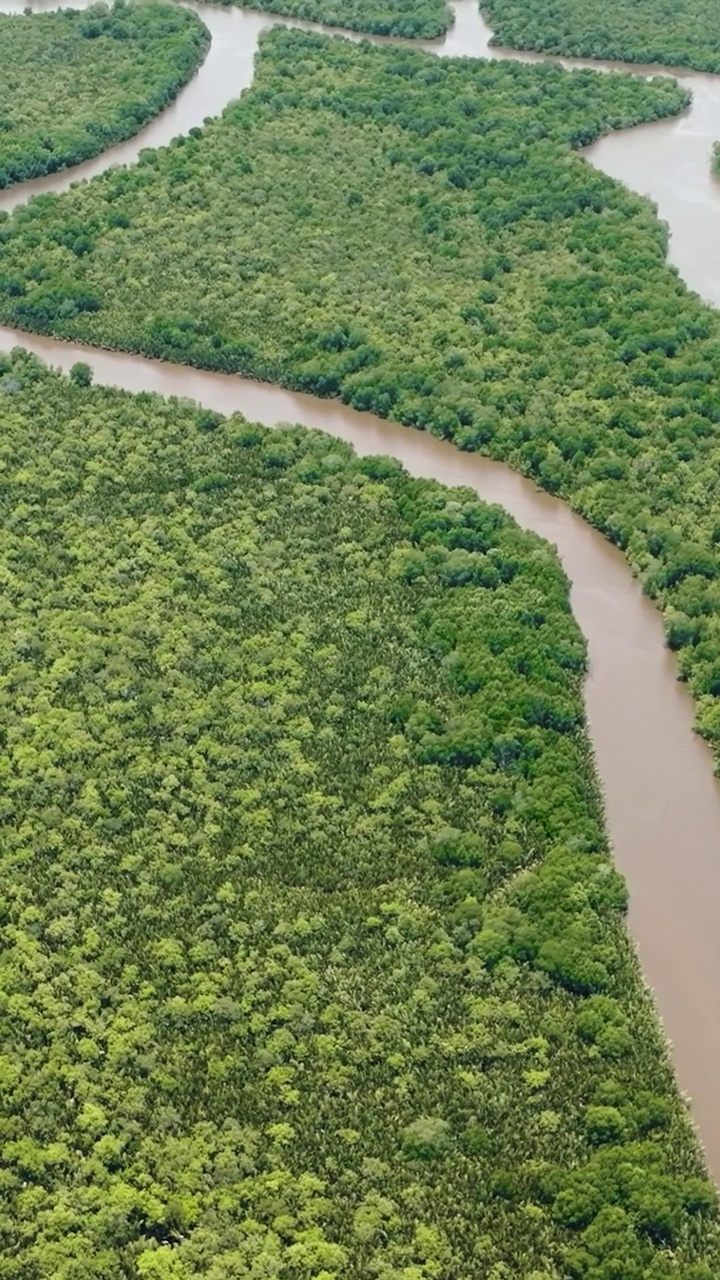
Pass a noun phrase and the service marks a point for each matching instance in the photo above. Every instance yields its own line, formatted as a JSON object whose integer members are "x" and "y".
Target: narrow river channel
{"x": 662, "y": 799}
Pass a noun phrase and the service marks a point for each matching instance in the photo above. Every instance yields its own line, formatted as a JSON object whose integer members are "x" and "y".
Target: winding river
{"x": 662, "y": 799}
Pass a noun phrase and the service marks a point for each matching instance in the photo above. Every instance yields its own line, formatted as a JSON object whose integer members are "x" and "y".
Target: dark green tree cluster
{"x": 416, "y": 237}
{"x": 313, "y": 963}
{"x": 74, "y": 82}
{"x": 685, "y": 34}
{"x": 408, "y": 19}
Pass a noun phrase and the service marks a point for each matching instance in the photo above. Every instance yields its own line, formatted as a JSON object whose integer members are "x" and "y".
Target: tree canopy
{"x": 408, "y": 19}
{"x": 416, "y": 236}
{"x": 74, "y": 82}
{"x": 313, "y": 961}
{"x": 685, "y": 34}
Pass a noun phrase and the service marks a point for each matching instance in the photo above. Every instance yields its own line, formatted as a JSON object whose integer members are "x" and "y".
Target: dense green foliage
{"x": 417, "y": 237}
{"x": 313, "y": 963}
{"x": 683, "y": 34}
{"x": 411, "y": 19}
{"x": 75, "y": 83}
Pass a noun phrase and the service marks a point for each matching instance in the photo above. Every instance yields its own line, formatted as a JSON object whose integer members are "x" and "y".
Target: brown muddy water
{"x": 662, "y": 799}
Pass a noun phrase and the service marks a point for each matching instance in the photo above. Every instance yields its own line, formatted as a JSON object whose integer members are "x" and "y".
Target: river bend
{"x": 662, "y": 799}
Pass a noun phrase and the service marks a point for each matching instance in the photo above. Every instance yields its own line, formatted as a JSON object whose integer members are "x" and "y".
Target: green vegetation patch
{"x": 313, "y": 962}
{"x": 74, "y": 83}
{"x": 685, "y": 34}
{"x": 417, "y": 237}
{"x": 410, "y": 19}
